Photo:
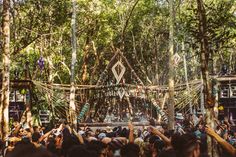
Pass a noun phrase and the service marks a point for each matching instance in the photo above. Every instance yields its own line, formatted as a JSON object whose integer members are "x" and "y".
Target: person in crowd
{"x": 187, "y": 140}
{"x": 80, "y": 150}
{"x": 27, "y": 149}
{"x": 186, "y": 145}
{"x": 179, "y": 123}
{"x": 227, "y": 146}
{"x": 129, "y": 150}
{"x": 1, "y": 148}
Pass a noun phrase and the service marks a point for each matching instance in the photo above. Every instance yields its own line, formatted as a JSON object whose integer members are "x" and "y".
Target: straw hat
{"x": 108, "y": 129}
{"x": 179, "y": 116}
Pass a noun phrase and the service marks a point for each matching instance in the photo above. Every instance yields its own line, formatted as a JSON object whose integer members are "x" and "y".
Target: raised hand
{"x": 130, "y": 126}
{"x": 154, "y": 130}
{"x": 210, "y": 131}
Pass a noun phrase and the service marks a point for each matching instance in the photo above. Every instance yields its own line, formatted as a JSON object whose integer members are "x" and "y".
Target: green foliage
{"x": 221, "y": 30}
{"x": 43, "y": 28}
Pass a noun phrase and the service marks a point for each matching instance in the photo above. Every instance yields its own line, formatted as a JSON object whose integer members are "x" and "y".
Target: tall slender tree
{"x": 204, "y": 59}
{"x": 4, "y": 129}
{"x": 72, "y": 107}
{"x": 171, "y": 108}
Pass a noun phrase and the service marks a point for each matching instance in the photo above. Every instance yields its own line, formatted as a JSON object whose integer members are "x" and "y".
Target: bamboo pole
{"x": 72, "y": 107}
{"x": 187, "y": 85}
{"x": 171, "y": 104}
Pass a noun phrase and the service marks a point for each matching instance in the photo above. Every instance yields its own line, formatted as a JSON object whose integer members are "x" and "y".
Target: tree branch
{"x": 127, "y": 22}
{"x": 25, "y": 45}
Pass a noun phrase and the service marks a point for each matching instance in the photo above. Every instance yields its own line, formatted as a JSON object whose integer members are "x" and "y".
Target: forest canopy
{"x": 138, "y": 27}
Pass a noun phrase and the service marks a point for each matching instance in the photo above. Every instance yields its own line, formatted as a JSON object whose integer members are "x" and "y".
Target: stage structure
{"x": 120, "y": 95}
{"x": 118, "y": 92}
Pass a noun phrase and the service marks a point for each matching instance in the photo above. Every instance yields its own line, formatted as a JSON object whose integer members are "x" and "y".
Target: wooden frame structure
{"x": 20, "y": 88}
{"x": 118, "y": 88}
{"x": 227, "y": 96}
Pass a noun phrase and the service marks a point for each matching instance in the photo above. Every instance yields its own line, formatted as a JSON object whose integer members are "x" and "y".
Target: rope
{"x": 101, "y": 87}
{"x": 183, "y": 99}
{"x": 186, "y": 100}
{"x": 186, "y": 96}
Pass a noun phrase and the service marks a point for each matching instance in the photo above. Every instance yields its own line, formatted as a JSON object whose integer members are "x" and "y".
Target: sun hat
{"x": 179, "y": 116}
{"x": 101, "y": 136}
{"x": 108, "y": 129}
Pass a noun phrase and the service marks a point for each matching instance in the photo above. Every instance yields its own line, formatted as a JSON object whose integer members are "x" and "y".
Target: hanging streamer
{"x": 83, "y": 111}
{"x": 160, "y": 111}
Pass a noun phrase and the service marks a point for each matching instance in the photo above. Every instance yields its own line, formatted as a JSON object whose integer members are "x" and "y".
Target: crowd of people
{"x": 188, "y": 139}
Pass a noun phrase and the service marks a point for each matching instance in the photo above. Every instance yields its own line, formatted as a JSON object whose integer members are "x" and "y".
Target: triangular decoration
{"x": 121, "y": 92}
{"x": 117, "y": 75}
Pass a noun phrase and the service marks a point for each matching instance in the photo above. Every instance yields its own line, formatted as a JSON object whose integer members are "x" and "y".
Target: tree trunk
{"x": 49, "y": 96}
{"x": 171, "y": 109}
{"x": 96, "y": 64}
{"x": 204, "y": 59}
{"x": 4, "y": 113}
{"x": 50, "y": 72}
{"x": 85, "y": 63}
{"x": 72, "y": 107}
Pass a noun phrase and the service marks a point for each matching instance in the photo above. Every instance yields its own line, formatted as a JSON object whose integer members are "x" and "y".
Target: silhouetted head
{"x": 79, "y": 150}
{"x": 186, "y": 145}
{"x": 28, "y": 150}
{"x": 129, "y": 150}
{"x": 36, "y": 136}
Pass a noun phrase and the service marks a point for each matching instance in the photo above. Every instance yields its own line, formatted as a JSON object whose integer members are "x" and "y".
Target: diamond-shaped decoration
{"x": 176, "y": 59}
{"x": 115, "y": 73}
{"x": 121, "y": 92}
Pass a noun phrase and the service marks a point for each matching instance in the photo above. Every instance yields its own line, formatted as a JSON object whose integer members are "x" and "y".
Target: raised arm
{"x": 17, "y": 128}
{"x": 162, "y": 136}
{"x": 46, "y": 135}
{"x": 228, "y": 147}
{"x": 131, "y": 132}
{"x": 80, "y": 138}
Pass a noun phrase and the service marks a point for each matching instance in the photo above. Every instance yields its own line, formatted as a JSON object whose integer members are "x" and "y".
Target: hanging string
{"x": 181, "y": 100}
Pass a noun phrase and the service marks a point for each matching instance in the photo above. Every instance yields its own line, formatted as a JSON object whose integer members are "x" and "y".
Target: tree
{"x": 4, "y": 119}
{"x": 171, "y": 108}
{"x": 204, "y": 59}
{"x": 72, "y": 107}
